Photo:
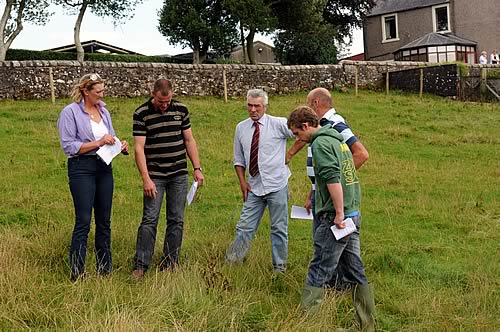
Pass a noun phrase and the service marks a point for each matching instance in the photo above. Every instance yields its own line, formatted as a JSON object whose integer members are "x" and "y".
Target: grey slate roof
{"x": 392, "y": 6}
{"x": 436, "y": 39}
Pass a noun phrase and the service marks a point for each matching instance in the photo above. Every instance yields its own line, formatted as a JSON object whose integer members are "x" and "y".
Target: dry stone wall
{"x": 30, "y": 79}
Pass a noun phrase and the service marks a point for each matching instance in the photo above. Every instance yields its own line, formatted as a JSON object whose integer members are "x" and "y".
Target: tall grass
{"x": 429, "y": 238}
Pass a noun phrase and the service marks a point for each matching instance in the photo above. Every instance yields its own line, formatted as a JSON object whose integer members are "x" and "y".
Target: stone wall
{"x": 440, "y": 80}
{"x": 30, "y": 79}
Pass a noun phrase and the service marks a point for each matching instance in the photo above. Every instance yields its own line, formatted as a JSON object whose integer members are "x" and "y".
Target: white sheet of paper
{"x": 298, "y": 212}
{"x": 192, "y": 192}
{"x": 310, "y": 171}
{"x": 340, "y": 233}
{"x": 107, "y": 152}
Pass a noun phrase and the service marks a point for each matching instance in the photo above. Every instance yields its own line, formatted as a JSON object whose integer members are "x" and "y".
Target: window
{"x": 441, "y": 18}
{"x": 390, "y": 28}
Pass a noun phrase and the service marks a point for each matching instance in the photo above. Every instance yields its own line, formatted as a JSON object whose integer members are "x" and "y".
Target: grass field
{"x": 431, "y": 194}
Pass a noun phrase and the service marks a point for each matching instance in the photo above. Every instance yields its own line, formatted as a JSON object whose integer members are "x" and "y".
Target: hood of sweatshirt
{"x": 327, "y": 130}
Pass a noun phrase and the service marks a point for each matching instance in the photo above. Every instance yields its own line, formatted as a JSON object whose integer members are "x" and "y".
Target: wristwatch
{"x": 197, "y": 168}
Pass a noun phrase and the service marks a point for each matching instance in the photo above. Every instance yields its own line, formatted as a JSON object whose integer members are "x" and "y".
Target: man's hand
{"x": 198, "y": 177}
{"x": 308, "y": 206}
{"x": 245, "y": 189}
{"x": 339, "y": 220}
{"x": 149, "y": 188}
{"x": 308, "y": 203}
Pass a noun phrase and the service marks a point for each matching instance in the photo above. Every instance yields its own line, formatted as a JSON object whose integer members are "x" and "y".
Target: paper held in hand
{"x": 192, "y": 192}
{"x": 298, "y": 212}
{"x": 343, "y": 232}
{"x": 107, "y": 152}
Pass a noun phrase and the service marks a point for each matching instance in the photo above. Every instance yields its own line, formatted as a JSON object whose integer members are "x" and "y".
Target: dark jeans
{"x": 91, "y": 185}
{"x": 176, "y": 190}
{"x": 331, "y": 254}
{"x": 337, "y": 282}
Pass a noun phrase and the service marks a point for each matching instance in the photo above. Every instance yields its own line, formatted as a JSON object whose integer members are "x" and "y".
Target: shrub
{"x": 20, "y": 55}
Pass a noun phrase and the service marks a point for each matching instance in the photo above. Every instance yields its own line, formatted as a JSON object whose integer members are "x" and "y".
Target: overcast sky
{"x": 139, "y": 34}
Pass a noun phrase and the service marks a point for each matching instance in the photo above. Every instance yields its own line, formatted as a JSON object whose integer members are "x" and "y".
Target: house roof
{"x": 392, "y": 6}
{"x": 255, "y": 43}
{"x": 92, "y": 46}
{"x": 355, "y": 57}
{"x": 436, "y": 39}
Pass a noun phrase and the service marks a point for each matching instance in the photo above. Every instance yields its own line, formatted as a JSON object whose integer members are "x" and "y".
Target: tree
{"x": 118, "y": 10}
{"x": 15, "y": 13}
{"x": 345, "y": 15}
{"x": 299, "y": 47}
{"x": 310, "y": 31}
{"x": 254, "y": 16}
{"x": 304, "y": 37}
{"x": 198, "y": 24}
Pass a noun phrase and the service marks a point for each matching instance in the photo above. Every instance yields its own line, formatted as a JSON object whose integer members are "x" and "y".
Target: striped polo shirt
{"x": 338, "y": 123}
{"x": 164, "y": 148}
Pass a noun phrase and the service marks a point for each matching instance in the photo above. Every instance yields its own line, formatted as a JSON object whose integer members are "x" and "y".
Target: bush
{"x": 22, "y": 55}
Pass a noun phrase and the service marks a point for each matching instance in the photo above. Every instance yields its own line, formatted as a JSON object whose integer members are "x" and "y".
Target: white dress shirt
{"x": 273, "y": 172}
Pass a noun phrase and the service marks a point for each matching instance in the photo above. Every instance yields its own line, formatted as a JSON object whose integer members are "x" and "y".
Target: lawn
{"x": 431, "y": 214}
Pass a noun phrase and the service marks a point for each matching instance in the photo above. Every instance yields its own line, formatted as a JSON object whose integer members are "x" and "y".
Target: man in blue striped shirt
{"x": 320, "y": 100}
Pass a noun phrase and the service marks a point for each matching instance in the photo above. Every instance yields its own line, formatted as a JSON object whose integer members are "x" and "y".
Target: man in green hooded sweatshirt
{"x": 338, "y": 197}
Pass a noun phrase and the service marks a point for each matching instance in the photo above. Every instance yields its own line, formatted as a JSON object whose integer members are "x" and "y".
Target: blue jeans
{"x": 176, "y": 190}
{"x": 330, "y": 254}
{"x": 251, "y": 215}
{"x": 337, "y": 280}
{"x": 91, "y": 186}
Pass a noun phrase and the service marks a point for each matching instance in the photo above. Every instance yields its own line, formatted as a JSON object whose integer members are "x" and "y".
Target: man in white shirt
{"x": 260, "y": 148}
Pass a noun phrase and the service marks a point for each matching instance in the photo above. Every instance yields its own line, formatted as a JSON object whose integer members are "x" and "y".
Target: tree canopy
{"x": 253, "y": 16}
{"x": 117, "y": 10}
{"x": 15, "y": 13}
{"x": 200, "y": 25}
{"x": 306, "y": 31}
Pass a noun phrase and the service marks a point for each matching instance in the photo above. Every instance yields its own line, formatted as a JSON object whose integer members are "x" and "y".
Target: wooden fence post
{"x": 387, "y": 82}
{"x": 482, "y": 85}
{"x": 225, "y": 84}
{"x": 356, "y": 80}
{"x": 421, "y": 81}
{"x": 51, "y": 83}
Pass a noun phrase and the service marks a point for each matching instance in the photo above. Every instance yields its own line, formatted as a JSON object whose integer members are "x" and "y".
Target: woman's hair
{"x": 86, "y": 82}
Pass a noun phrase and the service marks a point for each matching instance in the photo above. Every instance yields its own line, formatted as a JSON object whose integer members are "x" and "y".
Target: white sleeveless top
{"x": 98, "y": 129}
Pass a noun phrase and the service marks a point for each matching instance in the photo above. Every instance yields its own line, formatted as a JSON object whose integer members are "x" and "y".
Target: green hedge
{"x": 21, "y": 55}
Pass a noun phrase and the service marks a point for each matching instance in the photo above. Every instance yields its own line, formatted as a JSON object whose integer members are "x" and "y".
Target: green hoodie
{"x": 333, "y": 163}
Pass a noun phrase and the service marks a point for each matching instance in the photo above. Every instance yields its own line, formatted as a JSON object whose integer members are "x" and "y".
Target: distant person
{"x": 85, "y": 126}
{"x": 483, "y": 59}
{"x": 494, "y": 58}
{"x": 338, "y": 196}
{"x": 162, "y": 138}
{"x": 259, "y": 149}
{"x": 320, "y": 100}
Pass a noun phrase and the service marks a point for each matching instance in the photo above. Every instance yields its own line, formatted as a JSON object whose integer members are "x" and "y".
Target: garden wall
{"x": 30, "y": 79}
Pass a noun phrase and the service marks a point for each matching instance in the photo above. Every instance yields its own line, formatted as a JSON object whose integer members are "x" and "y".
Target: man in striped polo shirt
{"x": 162, "y": 137}
{"x": 320, "y": 100}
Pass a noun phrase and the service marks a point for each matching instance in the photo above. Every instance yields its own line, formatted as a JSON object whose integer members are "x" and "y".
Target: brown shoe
{"x": 138, "y": 274}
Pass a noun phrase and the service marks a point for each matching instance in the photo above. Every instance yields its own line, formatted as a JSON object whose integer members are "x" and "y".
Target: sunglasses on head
{"x": 94, "y": 77}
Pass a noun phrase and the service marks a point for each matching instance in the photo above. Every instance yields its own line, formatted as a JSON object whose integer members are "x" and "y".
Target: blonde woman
{"x": 494, "y": 58}
{"x": 483, "y": 58}
{"x": 84, "y": 126}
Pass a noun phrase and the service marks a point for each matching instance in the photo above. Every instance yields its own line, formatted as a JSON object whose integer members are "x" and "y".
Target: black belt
{"x": 87, "y": 156}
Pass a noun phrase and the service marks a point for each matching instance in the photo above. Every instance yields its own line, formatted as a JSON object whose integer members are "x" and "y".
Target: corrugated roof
{"x": 392, "y": 6}
{"x": 436, "y": 39}
{"x": 93, "y": 43}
